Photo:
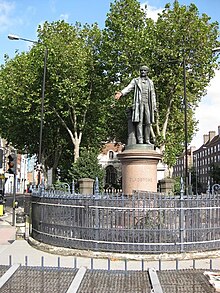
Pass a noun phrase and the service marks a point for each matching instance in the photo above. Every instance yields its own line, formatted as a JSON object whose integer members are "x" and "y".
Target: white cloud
{"x": 152, "y": 12}
{"x": 53, "y": 9}
{"x": 208, "y": 111}
{"x": 65, "y": 17}
{"x": 5, "y": 14}
{"x": 53, "y": 5}
{"x": 6, "y": 7}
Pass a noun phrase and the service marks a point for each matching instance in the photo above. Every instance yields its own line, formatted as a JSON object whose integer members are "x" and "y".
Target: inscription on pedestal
{"x": 132, "y": 179}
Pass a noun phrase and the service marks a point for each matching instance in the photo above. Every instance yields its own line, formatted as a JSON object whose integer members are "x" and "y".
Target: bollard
{"x": 1, "y": 209}
{"x": 20, "y": 225}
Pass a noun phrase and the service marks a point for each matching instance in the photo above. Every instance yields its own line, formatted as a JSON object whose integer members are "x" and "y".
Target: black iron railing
{"x": 141, "y": 223}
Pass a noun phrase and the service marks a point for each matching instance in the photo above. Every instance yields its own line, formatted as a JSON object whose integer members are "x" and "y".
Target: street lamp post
{"x": 185, "y": 126}
{"x": 42, "y": 112}
{"x": 14, "y": 37}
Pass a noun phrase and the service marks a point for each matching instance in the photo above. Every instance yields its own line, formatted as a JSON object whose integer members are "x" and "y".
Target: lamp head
{"x": 13, "y": 37}
{"x": 217, "y": 49}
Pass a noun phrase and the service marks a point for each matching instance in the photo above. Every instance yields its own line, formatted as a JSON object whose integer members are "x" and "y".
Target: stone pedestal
{"x": 139, "y": 168}
{"x": 86, "y": 186}
{"x": 167, "y": 185}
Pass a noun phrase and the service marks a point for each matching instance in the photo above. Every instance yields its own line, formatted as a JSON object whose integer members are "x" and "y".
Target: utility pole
{"x": 185, "y": 127}
{"x": 14, "y": 170}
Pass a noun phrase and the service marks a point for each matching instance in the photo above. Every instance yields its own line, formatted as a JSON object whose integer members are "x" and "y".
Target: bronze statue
{"x": 144, "y": 104}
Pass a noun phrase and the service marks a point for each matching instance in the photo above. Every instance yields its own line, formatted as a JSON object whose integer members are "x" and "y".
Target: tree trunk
{"x": 76, "y": 149}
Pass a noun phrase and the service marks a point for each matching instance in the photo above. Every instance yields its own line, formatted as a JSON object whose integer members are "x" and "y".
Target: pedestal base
{"x": 86, "y": 186}
{"x": 139, "y": 168}
{"x": 167, "y": 185}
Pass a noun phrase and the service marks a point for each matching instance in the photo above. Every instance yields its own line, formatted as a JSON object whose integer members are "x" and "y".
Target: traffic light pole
{"x": 14, "y": 191}
{"x": 42, "y": 116}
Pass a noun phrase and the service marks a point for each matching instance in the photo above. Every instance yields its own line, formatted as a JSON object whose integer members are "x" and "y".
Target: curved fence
{"x": 142, "y": 223}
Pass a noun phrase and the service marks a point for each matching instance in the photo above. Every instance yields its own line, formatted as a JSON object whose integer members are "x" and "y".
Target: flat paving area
{"x": 63, "y": 280}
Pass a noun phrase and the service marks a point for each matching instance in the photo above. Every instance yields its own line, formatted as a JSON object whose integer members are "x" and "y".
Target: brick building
{"x": 201, "y": 162}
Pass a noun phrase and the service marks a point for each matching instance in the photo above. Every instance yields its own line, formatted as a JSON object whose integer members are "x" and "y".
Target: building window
{"x": 111, "y": 155}
{"x": 111, "y": 175}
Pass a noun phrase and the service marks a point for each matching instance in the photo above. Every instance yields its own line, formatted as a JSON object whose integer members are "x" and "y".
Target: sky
{"x": 22, "y": 18}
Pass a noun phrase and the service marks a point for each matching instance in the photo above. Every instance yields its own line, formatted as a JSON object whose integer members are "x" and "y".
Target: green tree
{"x": 20, "y": 108}
{"x": 179, "y": 36}
{"x": 74, "y": 112}
{"x": 183, "y": 36}
{"x": 122, "y": 52}
{"x": 73, "y": 79}
{"x": 87, "y": 166}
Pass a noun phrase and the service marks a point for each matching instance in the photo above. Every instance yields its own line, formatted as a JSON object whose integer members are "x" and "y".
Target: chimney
{"x": 205, "y": 138}
{"x": 211, "y": 135}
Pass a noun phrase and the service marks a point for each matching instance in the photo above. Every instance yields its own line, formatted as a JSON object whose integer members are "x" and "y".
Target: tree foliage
{"x": 73, "y": 103}
{"x": 18, "y": 101}
{"x": 73, "y": 79}
{"x": 87, "y": 166}
{"x": 179, "y": 36}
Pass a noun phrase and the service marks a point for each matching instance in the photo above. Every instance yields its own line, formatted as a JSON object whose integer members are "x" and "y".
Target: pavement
{"x": 14, "y": 250}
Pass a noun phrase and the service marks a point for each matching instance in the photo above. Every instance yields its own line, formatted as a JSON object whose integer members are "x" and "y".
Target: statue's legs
{"x": 143, "y": 123}
{"x": 147, "y": 133}
{"x": 139, "y": 131}
{"x": 139, "y": 127}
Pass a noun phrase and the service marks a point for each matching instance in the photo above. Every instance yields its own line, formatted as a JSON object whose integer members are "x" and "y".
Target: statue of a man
{"x": 144, "y": 104}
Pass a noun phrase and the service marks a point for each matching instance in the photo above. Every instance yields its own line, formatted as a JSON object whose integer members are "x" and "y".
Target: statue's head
{"x": 144, "y": 70}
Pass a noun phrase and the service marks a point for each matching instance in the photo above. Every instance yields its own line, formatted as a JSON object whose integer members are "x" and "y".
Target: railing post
{"x": 97, "y": 195}
{"x": 96, "y": 223}
{"x": 73, "y": 187}
{"x": 181, "y": 223}
{"x": 208, "y": 188}
{"x": 109, "y": 264}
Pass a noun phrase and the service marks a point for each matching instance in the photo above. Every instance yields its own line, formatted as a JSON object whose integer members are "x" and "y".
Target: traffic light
{"x": 11, "y": 164}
